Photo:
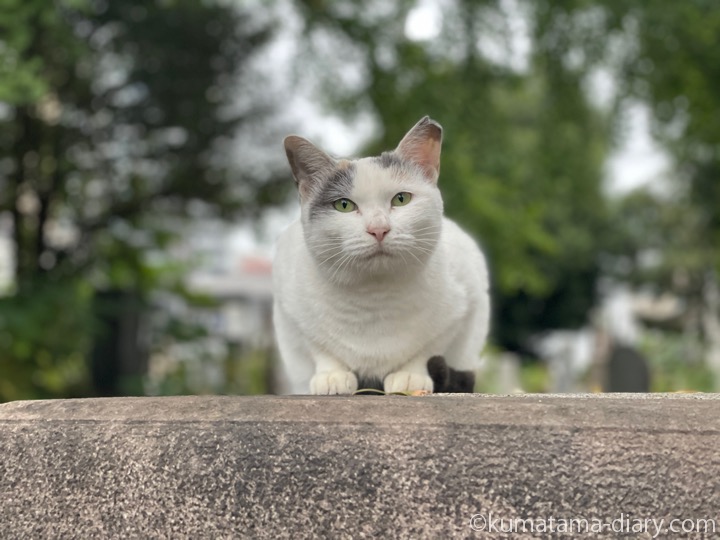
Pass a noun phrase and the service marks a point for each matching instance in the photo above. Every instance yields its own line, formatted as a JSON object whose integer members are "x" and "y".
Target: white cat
{"x": 373, "y": 280}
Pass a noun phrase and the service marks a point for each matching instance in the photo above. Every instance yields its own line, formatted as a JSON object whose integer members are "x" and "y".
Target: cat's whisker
{"x": 330, "y": 258}
{"x": 425, "y": 248}
{"x": 407, "y": 265}
{"x": 417, "y": 250}
{"x": 429, "y": 227}
{"x": 414, "y": 257}
{"x": 425, "y": 241}
{"x": 331, "y": 271}
{"x": 330, "y": 245}
{"x": 333, "y": 248}
{"x": 419, "y": 244}
{"x": 346, "y": 254}
{"x": 326, "y": 244}
{"x": 429, "y": 236}
{"x": 347, "y": 258}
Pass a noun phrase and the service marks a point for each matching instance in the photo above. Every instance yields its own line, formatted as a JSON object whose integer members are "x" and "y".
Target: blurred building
{"x": 243, "y": 314}
{"x": 582, "y": 359}
{"x": 230, "y": 348}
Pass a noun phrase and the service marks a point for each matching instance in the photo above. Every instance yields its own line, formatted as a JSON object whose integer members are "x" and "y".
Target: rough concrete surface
{"x": 359, "y": 467}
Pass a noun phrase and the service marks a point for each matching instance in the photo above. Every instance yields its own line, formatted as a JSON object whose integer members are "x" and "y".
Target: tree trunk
{"x": 119, "y": 357}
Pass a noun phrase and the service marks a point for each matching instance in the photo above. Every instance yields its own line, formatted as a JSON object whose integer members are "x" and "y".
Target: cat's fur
{"x": 379, "y": 290}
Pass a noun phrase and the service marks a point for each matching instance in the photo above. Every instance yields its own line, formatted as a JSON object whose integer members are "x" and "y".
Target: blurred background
{"x": 143, "y": 181}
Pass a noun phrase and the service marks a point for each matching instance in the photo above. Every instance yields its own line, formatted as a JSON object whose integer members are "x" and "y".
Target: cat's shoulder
{"x": 289, "y": 251}
{"x": 291, "y": 237}
{"x": 455, "y": 236}
{"x": 463, "y": 250}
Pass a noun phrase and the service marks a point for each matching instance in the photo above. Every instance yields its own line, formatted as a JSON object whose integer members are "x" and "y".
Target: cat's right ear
{"x": 309, "y": 164}
{"x": 421, "y": 146}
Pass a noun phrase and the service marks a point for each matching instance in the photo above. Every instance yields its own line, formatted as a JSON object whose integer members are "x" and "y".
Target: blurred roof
{"x": 252, "y": 280}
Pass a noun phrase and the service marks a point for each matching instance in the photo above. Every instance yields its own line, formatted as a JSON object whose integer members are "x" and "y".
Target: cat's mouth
{"x": 378, "y": 252}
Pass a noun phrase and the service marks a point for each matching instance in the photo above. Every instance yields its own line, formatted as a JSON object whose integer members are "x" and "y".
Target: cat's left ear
{"x": 421, "y": 146}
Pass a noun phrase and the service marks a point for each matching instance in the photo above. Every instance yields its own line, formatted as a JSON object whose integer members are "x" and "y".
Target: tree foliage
{"x": 676, "y": 70}
{"x": 117, "y": 121}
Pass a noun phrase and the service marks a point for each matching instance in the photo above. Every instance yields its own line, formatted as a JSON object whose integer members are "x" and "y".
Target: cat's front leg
{"x": 332, "y": 377}
{"x": 410, "y": 377}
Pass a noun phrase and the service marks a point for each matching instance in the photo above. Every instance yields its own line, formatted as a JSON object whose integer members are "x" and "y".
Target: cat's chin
{"x": 374, "y": 264}
{"x": 381, "y": 265}
{"x": 378, "y": 254}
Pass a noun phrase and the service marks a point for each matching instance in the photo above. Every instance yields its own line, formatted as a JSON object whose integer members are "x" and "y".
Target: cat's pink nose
{"x": 378, "y": 232}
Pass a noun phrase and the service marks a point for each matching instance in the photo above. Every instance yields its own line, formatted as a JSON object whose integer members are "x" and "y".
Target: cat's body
{"x": 378, "y": 289}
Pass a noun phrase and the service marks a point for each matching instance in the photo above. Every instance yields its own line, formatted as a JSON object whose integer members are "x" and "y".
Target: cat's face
{"x": 373, "y": 216}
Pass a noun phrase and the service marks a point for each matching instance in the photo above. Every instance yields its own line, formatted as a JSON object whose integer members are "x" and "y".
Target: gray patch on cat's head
{"x": 337, "y": 185}
{"x": 394, "y": 162}
{"x": 390, "y": 160}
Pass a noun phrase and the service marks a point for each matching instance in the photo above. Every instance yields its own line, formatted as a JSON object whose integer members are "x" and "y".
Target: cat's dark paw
{"x": 449, "y": 380}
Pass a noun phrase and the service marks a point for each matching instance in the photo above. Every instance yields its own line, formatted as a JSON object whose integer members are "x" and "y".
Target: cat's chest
{"x": 377, "y": 310}
{"x": 384, "y": 323}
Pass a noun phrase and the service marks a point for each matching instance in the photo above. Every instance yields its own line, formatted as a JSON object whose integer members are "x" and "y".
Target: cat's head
{"x": 371, "y": 216}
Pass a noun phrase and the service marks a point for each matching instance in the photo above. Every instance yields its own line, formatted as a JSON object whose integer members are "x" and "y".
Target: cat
{"x": 372, "y": 279}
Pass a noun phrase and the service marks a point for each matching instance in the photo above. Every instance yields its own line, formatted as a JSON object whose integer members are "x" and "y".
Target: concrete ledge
{"x": 394, "y": 467}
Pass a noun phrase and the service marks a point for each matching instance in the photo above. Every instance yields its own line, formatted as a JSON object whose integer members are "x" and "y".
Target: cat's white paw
{"x": 406, "y": 381}
{"x": 333, "y": 382}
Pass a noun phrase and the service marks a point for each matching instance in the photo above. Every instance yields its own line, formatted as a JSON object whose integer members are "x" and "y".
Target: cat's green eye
{"x": 344, "y": 205}
{"x": 401, "y": 199}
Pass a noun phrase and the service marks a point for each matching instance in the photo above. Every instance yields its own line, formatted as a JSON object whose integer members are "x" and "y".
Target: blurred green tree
{"x": 523, "y": 151}
{"x": 673, "y": 65}
{"x": 116, "y": 121}
{"x": 663, "y": 56}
